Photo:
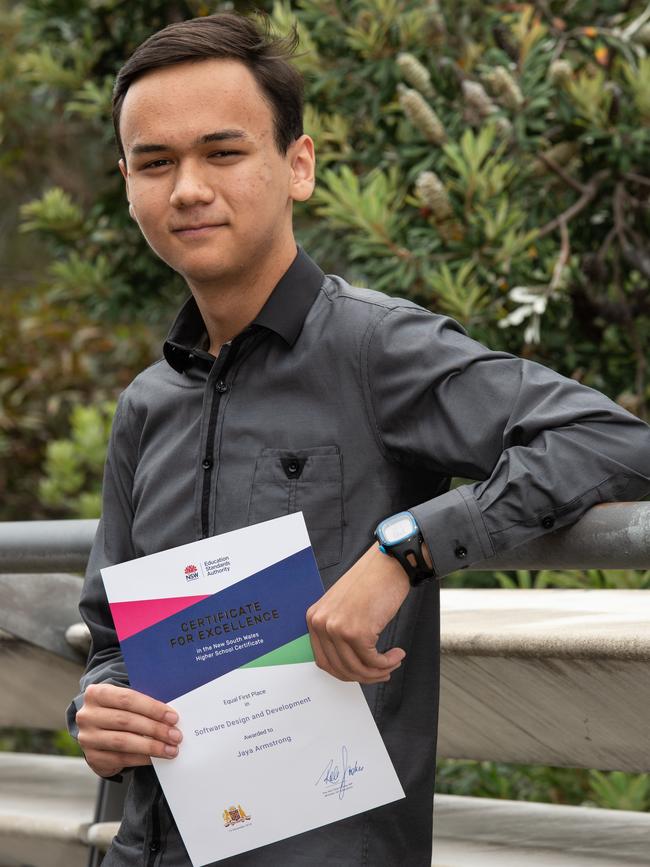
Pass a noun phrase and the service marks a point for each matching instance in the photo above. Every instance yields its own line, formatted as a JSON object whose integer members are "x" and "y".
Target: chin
{"x": 207, "y": 272}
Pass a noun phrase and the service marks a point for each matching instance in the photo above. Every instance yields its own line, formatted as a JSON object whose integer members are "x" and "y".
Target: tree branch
{"x": 562, "y": 259}
{"x": 590, "y": 192}
{"x": 566, "y": 177}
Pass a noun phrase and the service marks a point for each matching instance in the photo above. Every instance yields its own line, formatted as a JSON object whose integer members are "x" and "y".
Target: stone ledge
{"x": 541, "y": 833}
{"x": 547, "y": 677}
{"x": 566, "y": 624}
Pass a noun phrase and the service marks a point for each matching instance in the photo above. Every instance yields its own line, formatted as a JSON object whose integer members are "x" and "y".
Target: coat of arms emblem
{"x": 235, "y": 815}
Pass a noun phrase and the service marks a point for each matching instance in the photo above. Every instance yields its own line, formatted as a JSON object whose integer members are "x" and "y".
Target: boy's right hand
{"x": 121, "y": 728}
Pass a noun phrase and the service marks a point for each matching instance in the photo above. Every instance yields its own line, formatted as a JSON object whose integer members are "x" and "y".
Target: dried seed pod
{"x": 432, "y": 192}
{"x": 477, "y": 99}
{"x": 505, "y": 87}
{"x": 503, "y": 126}
{"x": 415, "y": 73}
{"x": 421, "y": 115}
{"x": 560, "y": 72}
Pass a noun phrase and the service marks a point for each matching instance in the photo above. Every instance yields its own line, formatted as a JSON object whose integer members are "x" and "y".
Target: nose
{"x": 190, "y": 188}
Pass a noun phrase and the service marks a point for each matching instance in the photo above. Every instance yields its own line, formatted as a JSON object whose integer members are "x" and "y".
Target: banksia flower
{"x": 477, "y": 99}
{"x": 560, "y": 72}
{"x": 421, "y": 115}
{"x": 505, "y": 87}
{"x": 415, "y": 73}
{"x": 503, "y": 126}
{"x": 432, "y": 193}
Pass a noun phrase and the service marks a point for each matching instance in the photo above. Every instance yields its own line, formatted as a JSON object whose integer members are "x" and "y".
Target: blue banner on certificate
{"x": 217, "y": 629}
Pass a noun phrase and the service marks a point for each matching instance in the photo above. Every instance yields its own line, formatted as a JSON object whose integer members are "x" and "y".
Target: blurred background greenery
{"x": 490, "y": 161}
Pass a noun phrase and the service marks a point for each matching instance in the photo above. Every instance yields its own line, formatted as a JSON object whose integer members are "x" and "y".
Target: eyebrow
{"x": 220, "y": 135}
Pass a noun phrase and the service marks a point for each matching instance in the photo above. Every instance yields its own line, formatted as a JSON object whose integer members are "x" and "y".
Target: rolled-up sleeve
{"x": 112, "y": 545}
{"x": 542, "y": 448}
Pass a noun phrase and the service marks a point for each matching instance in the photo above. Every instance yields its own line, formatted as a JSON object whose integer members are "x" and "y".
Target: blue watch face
{"x": 395, "y": 529}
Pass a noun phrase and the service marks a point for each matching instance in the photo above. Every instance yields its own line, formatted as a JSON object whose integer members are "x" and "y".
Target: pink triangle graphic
{"x": 132, "y": 617}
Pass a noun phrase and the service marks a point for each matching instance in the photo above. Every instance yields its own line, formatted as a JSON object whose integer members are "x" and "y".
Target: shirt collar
{"x": 284, "y": 313}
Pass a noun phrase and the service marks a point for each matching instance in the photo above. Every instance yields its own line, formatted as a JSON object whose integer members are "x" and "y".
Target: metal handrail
{"x": 45, "y": 546}
{"x": 609, "y": 536}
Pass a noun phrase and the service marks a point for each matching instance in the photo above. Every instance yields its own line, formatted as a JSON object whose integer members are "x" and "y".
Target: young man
{"x": 282, "y": 389}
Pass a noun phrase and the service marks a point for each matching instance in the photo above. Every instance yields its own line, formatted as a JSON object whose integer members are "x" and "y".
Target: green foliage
{"x": 54, "y": 357}
{"x": 73, "y": 466}
{"x": 619, "y": 791}
{"x": 582, "y": 579}
{"x": 531, "y": 147}
{"x": 613, "y": 790}
{"x": 546, "y": 125}
{"x": 481, "y": 171}
{"x": 55, "y": 214}
{"x": 38, "y": 741}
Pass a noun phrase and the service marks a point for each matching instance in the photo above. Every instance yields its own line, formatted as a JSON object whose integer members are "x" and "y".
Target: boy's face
{"x": 206, "y": 183}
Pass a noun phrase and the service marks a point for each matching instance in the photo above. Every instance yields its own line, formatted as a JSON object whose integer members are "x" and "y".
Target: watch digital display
{"x": 400, "y": 529}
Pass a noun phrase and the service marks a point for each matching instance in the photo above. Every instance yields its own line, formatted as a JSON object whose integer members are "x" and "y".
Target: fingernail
{"x": 174, "y": 735}
{"x": 171, "y": 751}
{"x": 171, "y": 717}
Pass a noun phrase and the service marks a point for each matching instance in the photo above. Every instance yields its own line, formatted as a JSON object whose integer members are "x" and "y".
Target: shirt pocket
{"x": 302, "y": 480}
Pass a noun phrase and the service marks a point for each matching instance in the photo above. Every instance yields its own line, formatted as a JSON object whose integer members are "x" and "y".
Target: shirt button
{"x": 207, "y": 463}
{"x": 293, "y": 467}
{"x": 221, "y": 386}
{"x": 154, "y": 846}
{"x": 461, "y": 552}
{"x": 548, "y": 521}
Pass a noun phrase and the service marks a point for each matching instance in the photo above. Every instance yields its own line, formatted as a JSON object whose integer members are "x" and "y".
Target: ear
{"x": 125, "y": 174}
{"x": 303, "y": 168}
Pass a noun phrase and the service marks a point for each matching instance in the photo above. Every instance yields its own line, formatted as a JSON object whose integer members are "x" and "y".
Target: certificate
{"x": 272, "y": 746}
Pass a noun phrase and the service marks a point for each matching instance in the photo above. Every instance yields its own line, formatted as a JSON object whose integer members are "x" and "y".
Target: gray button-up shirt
{"x": 378, "y": 403}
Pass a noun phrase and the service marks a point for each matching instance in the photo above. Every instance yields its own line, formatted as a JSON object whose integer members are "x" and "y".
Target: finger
{"x": 336, "y": 666}
{"x": 356, "y": 653}
{"x": 123, "y": 698}
{"x": 118, "y": 720}
{"x": 373, "y": 659}
{"x": 323, "y": 661}
{"x": 124, "y": 743}
{"x": 355, "y": 667}
{"x": 320, "y": 657}
{"x": 108, "y": 764}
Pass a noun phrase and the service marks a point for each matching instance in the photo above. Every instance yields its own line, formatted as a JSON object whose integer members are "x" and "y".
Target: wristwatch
{"x": 400, "y": 537}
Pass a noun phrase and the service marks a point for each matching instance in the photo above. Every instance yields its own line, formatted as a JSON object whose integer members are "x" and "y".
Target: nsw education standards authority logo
{"x": 191, "y": 572}
{"x": 235, "y": 816}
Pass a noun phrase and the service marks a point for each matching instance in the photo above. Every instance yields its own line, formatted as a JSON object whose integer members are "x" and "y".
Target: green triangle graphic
{"x": 298, "y": 650}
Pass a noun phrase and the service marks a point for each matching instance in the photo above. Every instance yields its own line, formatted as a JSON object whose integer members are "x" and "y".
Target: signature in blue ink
{"x": 339, "y": 774}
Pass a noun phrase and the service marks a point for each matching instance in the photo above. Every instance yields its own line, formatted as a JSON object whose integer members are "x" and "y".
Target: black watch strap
{"x": 402, "y": 552}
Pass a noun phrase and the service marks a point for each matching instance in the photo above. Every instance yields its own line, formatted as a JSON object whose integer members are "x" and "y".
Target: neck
{"x": 228, "y": 307}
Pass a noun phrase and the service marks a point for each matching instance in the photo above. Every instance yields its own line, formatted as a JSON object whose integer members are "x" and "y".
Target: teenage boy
{"x": 281, "y": 389}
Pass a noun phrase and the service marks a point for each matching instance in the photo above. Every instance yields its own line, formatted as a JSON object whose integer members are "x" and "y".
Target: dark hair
{"x": 230, "y": 37}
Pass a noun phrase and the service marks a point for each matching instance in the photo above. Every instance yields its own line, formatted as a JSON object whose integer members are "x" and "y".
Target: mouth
{"x": 196, "y": 231}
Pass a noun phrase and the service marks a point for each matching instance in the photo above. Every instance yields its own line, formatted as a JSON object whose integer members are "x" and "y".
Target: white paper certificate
{"x": 272, "y": 746}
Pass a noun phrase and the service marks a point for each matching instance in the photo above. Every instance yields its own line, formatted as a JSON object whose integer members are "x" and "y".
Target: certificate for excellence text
{"x": 272, "y": 746}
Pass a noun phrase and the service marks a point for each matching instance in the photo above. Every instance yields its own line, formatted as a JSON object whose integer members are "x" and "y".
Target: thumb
{"x": 394, "y": 656}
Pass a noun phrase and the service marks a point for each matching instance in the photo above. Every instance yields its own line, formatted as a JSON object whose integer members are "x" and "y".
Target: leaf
{"x": 54, "y": 213}
{"x": 639, "y": 82}
{"x": 458, "y": 293}
{"x": 370, "y": 209}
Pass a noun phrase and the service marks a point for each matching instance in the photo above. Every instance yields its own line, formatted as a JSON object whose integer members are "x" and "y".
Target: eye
{"x": 155, "y": 164}
{"x": 224, "y": 154}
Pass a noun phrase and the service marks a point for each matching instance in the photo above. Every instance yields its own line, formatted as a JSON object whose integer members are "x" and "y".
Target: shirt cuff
{"x": 452, "y": 527}
{"x": 71, "y": 716}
